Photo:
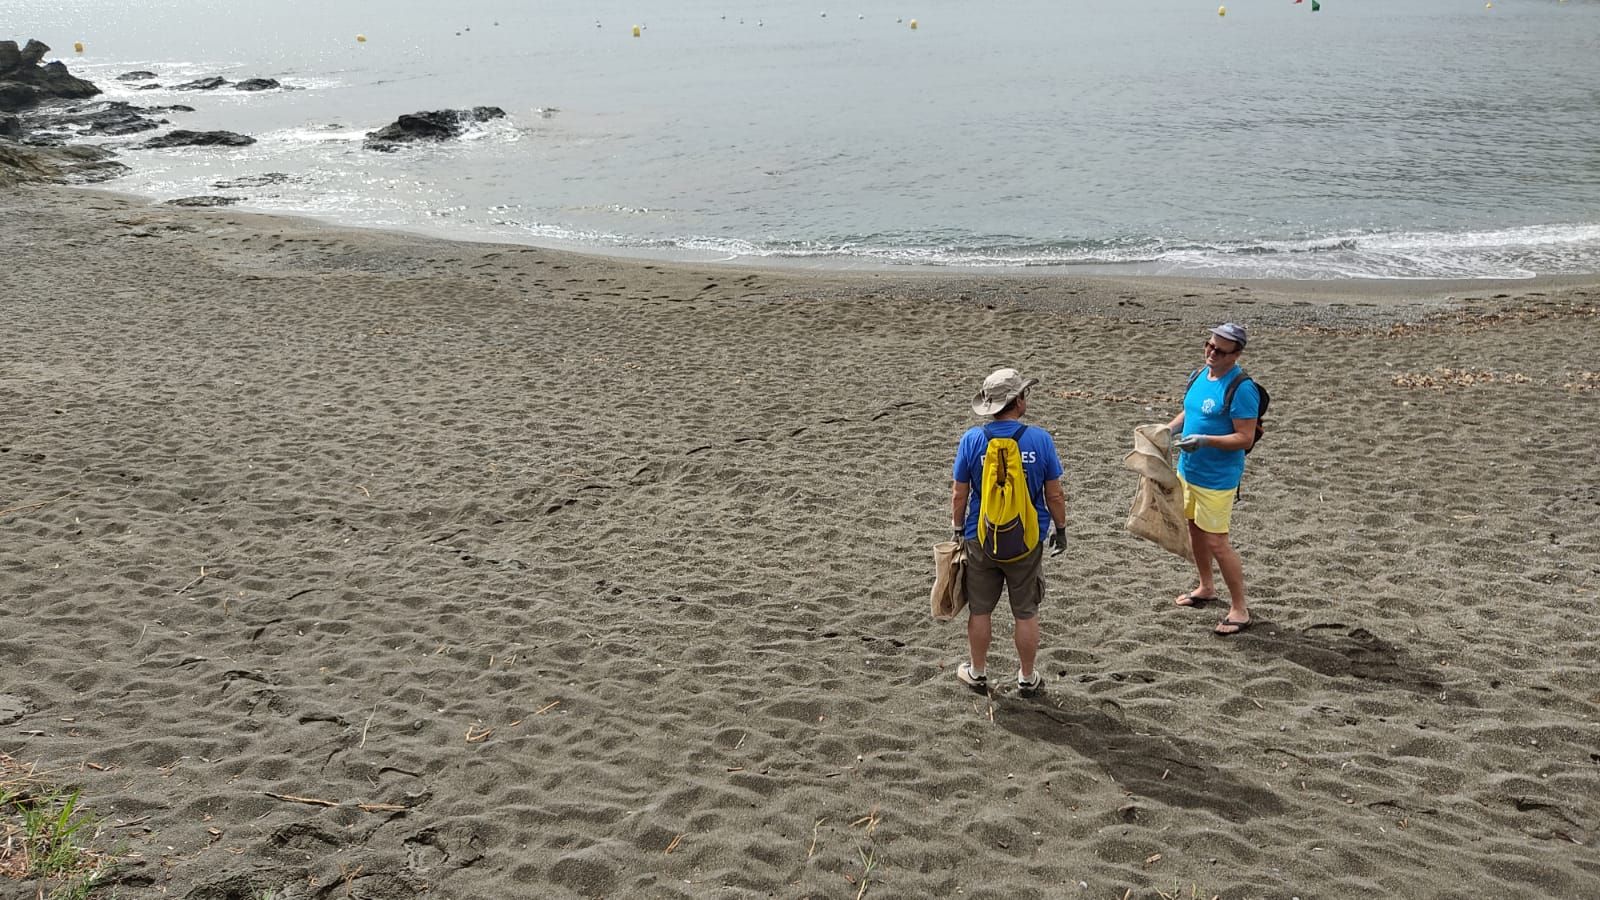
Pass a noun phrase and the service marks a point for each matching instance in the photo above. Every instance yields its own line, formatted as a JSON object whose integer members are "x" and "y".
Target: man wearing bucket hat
{"x": 1004, "y": 398}
{"x": 1214, "y": 437}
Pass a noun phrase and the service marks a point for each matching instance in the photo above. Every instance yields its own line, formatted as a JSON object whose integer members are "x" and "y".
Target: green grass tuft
{"x": 45, "y": 833}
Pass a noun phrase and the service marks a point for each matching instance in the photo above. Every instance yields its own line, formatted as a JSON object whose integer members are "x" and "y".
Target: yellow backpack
{"x": 1008, "y": 525}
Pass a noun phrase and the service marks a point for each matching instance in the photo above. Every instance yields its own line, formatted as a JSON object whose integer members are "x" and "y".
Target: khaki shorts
{"x": 1210, "y": 510}
{"x": 1023, "y": 581}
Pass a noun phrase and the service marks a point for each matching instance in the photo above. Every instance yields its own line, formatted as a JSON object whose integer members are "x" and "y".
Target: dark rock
{"x": 11, "y": 127}
{"x": 32, "y": 53}
{"x": 148, "y": 87}
{"x": 21, "y": 163}
{"x": 14, "y": 96}
{"x": 136, "y": 76}
{"x": 201, "y": 84}
{"x": 437, "y": 125}
{"x": 115, "y": 118}
{"x": 176, "y": 107}
{"x": 257, "y": 84}
{"x": 251, "y": 181}
{"x": 25, "y": 83}
{"x": 184, "y": 138}
{"x": 205, "y": 200}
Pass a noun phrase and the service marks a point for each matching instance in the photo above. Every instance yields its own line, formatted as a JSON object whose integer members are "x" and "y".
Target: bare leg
{"x": 1233, "y": 575}
{"x": 1027, "y": 635}
{"x": 979, "y": 631}
{"x": 1199, "y": 542}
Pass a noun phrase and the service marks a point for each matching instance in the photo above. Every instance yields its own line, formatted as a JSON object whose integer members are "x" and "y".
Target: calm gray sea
{"x": 1377, "y": 138}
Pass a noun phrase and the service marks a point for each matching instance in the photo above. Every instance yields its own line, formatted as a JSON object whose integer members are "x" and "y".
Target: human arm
{"x": 960, "y": 493}
{"x": 1056, "y": 501}
{"x": 1176, "y": 425}
{"x": 1244, "y": 434}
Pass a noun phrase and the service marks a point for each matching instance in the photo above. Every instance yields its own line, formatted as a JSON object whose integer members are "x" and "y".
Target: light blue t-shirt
{"x": 1208, "y": 467}
{"x": 1039, "y": 465}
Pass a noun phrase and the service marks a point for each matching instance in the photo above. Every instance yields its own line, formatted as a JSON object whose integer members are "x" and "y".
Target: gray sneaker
{"x": 1030, "y": 687}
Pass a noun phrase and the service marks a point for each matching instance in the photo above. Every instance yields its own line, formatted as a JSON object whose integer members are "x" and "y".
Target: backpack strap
{"x": 989, "y": 436}
{"x": 1233, "y": 388}
{"x": 1013, "y": 435}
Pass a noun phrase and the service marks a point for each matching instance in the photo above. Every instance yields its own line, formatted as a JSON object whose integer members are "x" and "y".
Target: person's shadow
{"x": 1343, "y": 651}
{"x": 1164, "y": 768}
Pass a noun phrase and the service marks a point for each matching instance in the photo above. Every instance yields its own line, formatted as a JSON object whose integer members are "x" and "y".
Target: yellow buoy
{"x": 635, "y": 31}
{"x": 1222, "y": 10}
{"x": 77, "y": 46}
{"x": 913, "y": 24}
{"x": 361, "y": 39}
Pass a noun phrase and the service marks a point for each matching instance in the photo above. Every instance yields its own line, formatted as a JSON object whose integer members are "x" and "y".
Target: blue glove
{"x": 1188, "y": 443}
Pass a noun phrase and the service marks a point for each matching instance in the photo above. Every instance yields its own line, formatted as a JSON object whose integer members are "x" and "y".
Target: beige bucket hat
{"x": 1001, "y": 387}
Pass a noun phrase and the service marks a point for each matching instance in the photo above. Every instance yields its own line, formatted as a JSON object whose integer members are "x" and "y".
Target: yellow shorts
{"x": 1210, "y": 510}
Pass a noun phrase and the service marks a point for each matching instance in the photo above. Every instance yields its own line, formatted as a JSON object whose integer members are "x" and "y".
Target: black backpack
{"x": 1227, "y": 400}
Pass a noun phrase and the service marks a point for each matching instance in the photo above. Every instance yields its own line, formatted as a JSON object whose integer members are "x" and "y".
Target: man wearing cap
{"x": 1004, "y": 398}
{"x": 1211, "y": 465}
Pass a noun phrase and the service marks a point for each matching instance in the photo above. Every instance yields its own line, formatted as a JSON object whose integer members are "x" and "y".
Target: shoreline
{"x": 1367, "y": 292}
{"x": 353, "y": 562}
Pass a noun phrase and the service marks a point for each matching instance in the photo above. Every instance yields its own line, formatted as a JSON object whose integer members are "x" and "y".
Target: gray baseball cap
{"x": 1001, "y": 387}
{"x": 1232, "y": 331}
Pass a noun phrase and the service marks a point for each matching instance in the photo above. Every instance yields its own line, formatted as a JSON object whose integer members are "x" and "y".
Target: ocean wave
{"x": 1513, "y": 253}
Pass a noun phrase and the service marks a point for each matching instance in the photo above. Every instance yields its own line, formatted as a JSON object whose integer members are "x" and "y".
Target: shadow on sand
{"x": 1343, "y": 651}
{"x": 1162, "y": 768}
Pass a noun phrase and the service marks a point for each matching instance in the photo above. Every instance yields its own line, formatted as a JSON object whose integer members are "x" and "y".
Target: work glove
{"x": 1187, "y": 443}
{"x": 1058, "y": 542}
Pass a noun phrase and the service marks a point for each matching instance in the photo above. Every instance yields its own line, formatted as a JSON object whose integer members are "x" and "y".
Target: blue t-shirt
{"x": 1208, "y": 467}
{"x": 1039, "y": 465}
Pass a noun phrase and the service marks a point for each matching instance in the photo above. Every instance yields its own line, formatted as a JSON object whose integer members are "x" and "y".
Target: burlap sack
{"x": 948, "y": 596}
{"x": 1157, "y": 513}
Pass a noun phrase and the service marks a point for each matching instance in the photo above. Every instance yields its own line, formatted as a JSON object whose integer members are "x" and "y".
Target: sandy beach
{"x": 343, "y": 563}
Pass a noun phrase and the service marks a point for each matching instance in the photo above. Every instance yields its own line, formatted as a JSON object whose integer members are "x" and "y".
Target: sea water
{"x": 1374, "y": 138}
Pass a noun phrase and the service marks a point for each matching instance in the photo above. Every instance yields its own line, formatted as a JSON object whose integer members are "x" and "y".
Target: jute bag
{"x": 1157, "y": 513}
{"x": 948, "y": 595}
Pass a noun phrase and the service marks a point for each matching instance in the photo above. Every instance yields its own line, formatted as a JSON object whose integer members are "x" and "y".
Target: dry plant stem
{"x": 200, "y": 578}
{"x": 366, "y": 726}
{"x": 382, "y": 807}
{"x": 33, "y": 506}
{"x": 311, "y": 801}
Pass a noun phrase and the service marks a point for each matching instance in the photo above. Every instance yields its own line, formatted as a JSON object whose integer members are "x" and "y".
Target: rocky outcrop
{"x": 252, "y": 181}
{"x": 205, "y": 201}
{"x": 201, "y": 84}
{"x": 112, "y": 119}
{"x": 257, "y": 84}
{"x": 25, "y": 84}
{"x": 140, "y": 75}
{"x": 20, "y": 163}
{"x": 437, "y": 125}
{"x": 183, "y": 138}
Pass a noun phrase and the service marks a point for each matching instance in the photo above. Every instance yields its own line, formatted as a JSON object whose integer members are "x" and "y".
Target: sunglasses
{"x": 1213, "y": 348}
